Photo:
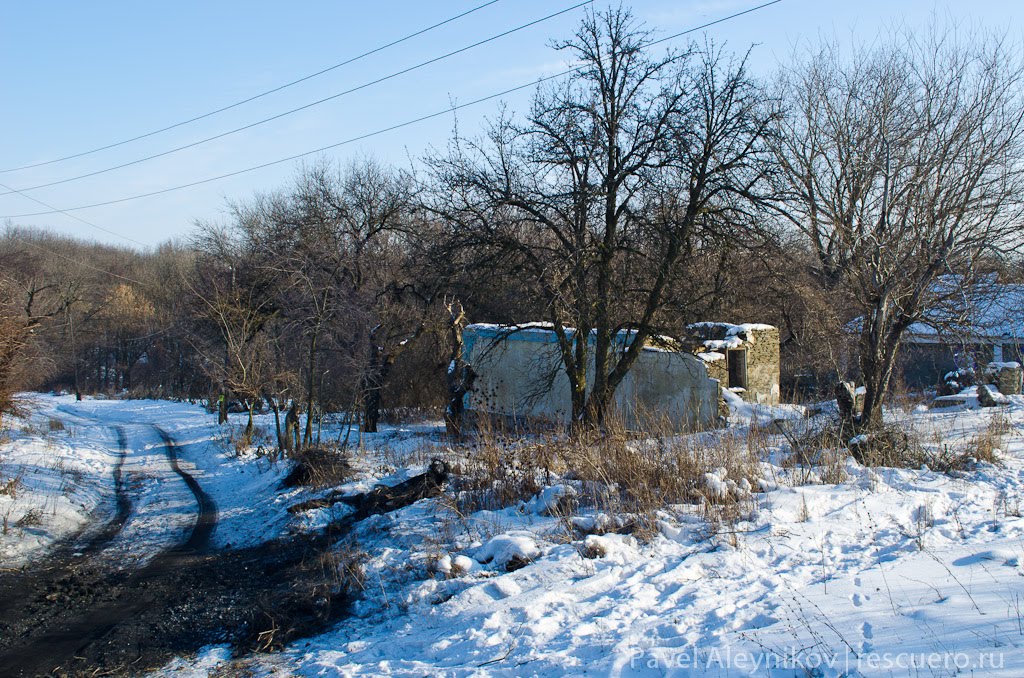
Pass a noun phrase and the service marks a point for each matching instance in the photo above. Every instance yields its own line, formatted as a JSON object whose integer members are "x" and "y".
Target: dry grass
{"x": 984, "y": 447}
{"x": 893, "y": 446}
{"x": 817, "y": 454}
{"x": 11, "y": 486}
{"x": 30, "y": 518}
{"x": 345, "y": 567}
{"x": 614, "y": 472}
{"x": 989, "y": 442}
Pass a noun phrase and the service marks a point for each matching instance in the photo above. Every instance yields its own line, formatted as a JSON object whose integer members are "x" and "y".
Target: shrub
{"x": 319, "y": 467}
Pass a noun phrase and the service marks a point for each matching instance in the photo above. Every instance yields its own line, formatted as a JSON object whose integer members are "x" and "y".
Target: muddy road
{"x": 80, "y": 611}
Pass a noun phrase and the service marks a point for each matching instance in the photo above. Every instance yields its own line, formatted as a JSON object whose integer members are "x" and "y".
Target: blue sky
{"x": 80, "y": 75}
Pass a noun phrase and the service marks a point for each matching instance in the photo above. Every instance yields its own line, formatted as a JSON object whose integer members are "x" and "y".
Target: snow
{"x": 996, "y": 366}
{"x": 544, "y": 331}
{"x": 550, "y": 499}
{"x": 718, "y": 345}
{"x": 616, "y": 548}
{"x": 744, "y": 413}
{"x": 66, "y": 477}
{"x": 507, "y": 549}
{"x": 51, "y": 483}
{"x": 986, "y": 309}
{"x": 711, "y": 356}
{"x": 886, "y": 572}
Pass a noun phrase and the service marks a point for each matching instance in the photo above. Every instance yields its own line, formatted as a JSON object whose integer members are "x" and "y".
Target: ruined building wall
{"x": 718, "y": 343}
{"x": 521, "y": 377}
{"x": 762, "y": 365}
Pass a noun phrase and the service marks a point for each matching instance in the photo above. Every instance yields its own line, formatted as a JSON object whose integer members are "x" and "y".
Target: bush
{"x": 319, "y": 467}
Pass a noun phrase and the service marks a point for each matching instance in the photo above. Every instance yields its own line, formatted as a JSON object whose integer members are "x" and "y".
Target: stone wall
{"x": 762, "y": 348}
{"x": 711, "y": 342}
{"x": 1006, "y": 377}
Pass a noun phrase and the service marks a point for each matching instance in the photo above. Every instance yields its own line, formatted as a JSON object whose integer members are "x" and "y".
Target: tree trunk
{"x": 459, "y": 377}
{"x": 310, "y": 385}
{"x": 372, "y": 391}
{"x": 251, "y": 404}
{"x": 277, "y": 421}
{"x": 878, "y": 345}
{"x": 373, "y": 384}
{"x": 581, "y": 366}
{"x": 877, "y": 373}
{"x": 291, "y": 428}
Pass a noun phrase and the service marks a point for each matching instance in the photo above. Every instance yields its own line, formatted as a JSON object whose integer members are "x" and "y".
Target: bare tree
{"x": 354, "y": 240}
{"x": 603, "y": 191}
{"x": 24, "y": 307}
{"x": 459, "y": 375}
{"x": 236, "y": 305}
{"x": 901, "y": 166}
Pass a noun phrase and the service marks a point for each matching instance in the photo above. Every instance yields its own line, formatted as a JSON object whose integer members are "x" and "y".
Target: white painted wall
{"x": 521, "y": 376}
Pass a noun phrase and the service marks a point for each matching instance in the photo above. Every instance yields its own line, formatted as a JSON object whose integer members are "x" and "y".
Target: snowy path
{"x": 84, "y": 588}
{"x": 206, "y": 517}
{"x": 167, "y": 505}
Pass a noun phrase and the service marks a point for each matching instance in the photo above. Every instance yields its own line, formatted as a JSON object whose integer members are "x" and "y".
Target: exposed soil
{"x": 77, "y": 613}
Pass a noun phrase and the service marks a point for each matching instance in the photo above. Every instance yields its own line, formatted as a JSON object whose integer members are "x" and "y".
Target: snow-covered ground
{"x": 62, "y": 477}
{"x": 889, "y": 572}
{"x": 53, "y": 477}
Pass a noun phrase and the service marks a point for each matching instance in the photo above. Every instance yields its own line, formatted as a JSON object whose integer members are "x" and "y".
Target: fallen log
{"x": 384, "y": 498}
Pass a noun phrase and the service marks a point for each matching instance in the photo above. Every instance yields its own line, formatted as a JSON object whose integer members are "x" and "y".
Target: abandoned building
{"x": 743, "y": 358}
{"x": 986, "y": 326}
{"x": 520, "y": 376}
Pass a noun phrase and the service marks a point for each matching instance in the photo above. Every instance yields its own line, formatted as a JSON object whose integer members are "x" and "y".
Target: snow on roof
{"x": 985, "y": 310}
{"x": 724, "y": 336}
{"x": 544, "y": 332}
{"x": 711, "y": 356}
{"x": 713, "y": 336}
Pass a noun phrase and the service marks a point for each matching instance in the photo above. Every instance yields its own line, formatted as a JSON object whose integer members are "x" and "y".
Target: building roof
{"x": 544, "y": 332}
{"x": 985, "y": 311}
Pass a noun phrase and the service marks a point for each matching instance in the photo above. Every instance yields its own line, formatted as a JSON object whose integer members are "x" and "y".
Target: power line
{"x": 253, "y": 168}
{"x": 23, "y": 241}
{"x": 57, "y": 210}
{"x": 255, "y": 96}
{"x": 368, "y": 135}
{"x": 332, "y": 97}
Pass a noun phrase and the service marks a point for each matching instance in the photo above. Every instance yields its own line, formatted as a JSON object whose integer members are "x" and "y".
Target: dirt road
{"x": 82, "y": 611}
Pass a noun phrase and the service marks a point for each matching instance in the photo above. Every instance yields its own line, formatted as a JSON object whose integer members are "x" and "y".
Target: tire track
{"x": 113, "y": 526}
{"x": 72, "y": 553}
{"x": 206, "y": 519}
{"x": 71, "y": 601}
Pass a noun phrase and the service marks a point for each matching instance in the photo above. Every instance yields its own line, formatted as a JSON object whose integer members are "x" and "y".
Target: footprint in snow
{"x": 858, "y": 599}
{"x": 868, "y": 633}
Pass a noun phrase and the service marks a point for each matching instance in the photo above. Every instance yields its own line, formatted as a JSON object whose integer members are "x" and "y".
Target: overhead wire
{"x": 255, "y": 96}
{"x": 304, "y": 107}
{"x": 57, "y": 210}
{"x": 37, "y": 246}
{"x": 47, "y": 250}
{"x": 368, "y": 135}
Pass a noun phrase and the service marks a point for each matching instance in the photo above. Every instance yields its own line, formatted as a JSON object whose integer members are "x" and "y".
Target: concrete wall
{"x": 521, "y": 377}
